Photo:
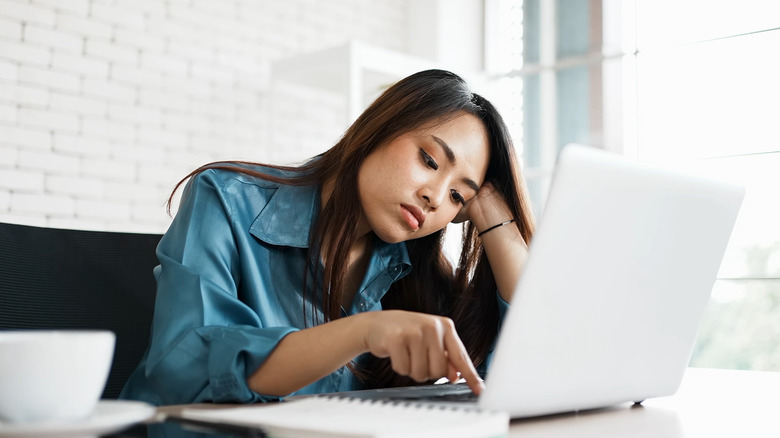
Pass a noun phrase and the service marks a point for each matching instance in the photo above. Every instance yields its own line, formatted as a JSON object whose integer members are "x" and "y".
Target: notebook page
{"x": 344, "y": 417}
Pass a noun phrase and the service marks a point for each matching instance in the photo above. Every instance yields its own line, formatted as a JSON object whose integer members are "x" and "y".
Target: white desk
{"x": 710, "y": 403}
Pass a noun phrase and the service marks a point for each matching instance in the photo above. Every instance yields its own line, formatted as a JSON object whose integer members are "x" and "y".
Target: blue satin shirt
{"x": 229, "y": 288}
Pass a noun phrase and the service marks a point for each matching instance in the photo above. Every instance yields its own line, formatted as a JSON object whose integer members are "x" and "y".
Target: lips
{"x": 413, "y": 216}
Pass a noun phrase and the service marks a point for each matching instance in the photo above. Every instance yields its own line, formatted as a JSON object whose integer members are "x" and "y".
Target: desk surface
{"x": 710, "y": 403}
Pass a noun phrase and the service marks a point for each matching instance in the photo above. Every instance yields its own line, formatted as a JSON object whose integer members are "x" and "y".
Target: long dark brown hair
{"x": 469, "y": 295}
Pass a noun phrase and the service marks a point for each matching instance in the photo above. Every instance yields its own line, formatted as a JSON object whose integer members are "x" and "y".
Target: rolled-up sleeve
{"x": 205, "y": 340}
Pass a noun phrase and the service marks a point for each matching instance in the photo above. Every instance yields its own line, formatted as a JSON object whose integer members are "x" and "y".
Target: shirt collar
{"x": 288, "y": 216}
{"x": 394, "y": 258}
{"x": 287, "y": 220}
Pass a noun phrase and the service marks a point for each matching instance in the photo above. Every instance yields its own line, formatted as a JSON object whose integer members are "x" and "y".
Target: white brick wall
{"x": 105, "y": 104}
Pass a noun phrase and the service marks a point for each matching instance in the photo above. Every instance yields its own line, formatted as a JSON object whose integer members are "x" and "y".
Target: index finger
{"x": 459, "y": 358}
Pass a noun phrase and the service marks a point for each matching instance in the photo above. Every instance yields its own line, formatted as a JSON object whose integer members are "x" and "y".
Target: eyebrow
{"x": 451, "y": 158}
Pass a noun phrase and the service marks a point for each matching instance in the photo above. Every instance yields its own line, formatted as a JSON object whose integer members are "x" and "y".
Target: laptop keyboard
{"x": 444, "y": 393}
{"x": 464, "y": 397}
{"x": 459, "y": 392}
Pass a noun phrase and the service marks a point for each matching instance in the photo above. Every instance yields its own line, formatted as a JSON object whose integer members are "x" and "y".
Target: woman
{"x": 330, "y": 276}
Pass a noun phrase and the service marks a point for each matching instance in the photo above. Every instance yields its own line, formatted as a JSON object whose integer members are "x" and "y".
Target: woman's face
{"x": 416, "y": 184}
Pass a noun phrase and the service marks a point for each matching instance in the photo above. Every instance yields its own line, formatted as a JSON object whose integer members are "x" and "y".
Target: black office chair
{"x": 72, "y": 279}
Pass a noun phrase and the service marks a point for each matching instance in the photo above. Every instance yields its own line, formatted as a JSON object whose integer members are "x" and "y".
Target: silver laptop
{"x": 608, "y": 306}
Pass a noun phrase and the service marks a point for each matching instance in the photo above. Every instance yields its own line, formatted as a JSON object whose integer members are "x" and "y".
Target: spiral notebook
{"x": 352, "y": 418}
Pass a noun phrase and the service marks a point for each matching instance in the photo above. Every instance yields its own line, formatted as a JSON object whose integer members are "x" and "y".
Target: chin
{"x": 390, "y": 238}
{"x": 393, "y": 235}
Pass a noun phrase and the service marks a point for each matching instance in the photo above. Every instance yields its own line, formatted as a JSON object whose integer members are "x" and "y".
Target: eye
{"x": 457, "y": 197}
{"x": 428, "y": 160}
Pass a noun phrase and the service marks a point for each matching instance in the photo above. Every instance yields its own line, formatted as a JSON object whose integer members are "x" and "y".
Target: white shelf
{"x": 357, "y": 70}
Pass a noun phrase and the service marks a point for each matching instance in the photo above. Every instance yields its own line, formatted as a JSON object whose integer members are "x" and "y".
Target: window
{"x": 690, "y": 83}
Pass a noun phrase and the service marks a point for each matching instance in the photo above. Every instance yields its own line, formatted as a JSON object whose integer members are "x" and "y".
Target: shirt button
{"x": 394, "y": 270}
{"x": 362, "y": 306}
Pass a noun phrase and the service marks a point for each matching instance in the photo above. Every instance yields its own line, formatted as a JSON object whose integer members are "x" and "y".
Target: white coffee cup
{"x": 52, "y": 375}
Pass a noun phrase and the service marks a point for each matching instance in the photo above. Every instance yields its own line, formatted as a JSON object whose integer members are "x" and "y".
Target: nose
{"x": 435, "y": 194}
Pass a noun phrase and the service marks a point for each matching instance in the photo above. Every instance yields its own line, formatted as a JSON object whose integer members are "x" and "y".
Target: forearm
{"x": 505, "y": 247}
{"x": 419, "y": 345}
{"x": 507, "y": 252}
{"x": 306, "y": 356}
